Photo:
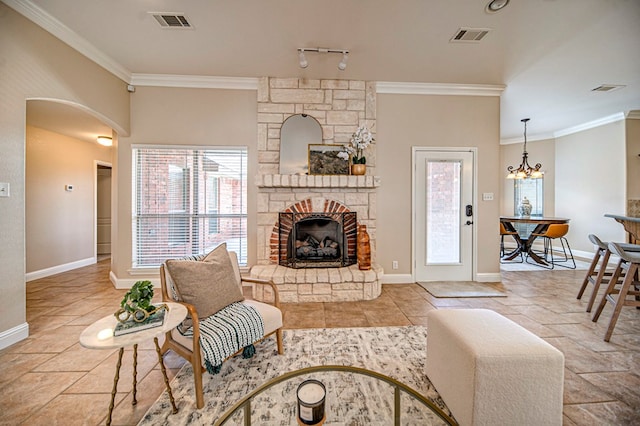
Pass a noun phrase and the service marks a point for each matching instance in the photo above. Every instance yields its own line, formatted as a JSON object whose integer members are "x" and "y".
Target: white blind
{"x": 187, "y": 201}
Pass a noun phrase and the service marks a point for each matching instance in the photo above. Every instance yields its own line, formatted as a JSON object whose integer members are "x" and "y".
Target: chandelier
{"x": 525, "y": 171}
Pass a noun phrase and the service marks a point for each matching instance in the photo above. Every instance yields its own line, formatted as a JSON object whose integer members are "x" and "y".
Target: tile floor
{"x": 50, "y": 379}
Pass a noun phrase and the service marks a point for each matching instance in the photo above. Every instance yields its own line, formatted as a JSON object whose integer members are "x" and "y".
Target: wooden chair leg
{"x": 590, "y": 273}
{"x": 599, "y": 279}
{"x": 610, "y": 290}
{"x": 619, "y": 303}
{"x": 196, "y": 363}
{"x": 279, "y": 341}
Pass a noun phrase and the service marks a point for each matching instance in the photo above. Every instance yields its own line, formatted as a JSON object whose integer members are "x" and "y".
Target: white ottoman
{"x": 491, "y": 371}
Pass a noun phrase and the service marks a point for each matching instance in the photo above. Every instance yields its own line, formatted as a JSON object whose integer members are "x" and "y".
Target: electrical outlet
{"x": 394, "y": 264}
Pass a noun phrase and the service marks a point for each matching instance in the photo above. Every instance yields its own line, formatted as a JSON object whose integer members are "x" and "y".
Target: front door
{"x": 443, "y": 214}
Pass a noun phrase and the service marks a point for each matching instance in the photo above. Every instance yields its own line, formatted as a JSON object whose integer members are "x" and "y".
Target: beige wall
{"x": 590, "y": 181}
{"x": 405, "y": 121}
{"x": 543, "y": 152}
{"x": 33, "y": 65}
{"x": 59, "y": 223}
{"x": 175, "y": 116}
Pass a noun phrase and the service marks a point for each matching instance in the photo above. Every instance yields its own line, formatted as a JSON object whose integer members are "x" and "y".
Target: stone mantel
{"x": 317, "y": 181}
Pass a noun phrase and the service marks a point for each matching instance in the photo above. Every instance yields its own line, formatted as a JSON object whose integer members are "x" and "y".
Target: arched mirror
{"x": 297, "y": 132}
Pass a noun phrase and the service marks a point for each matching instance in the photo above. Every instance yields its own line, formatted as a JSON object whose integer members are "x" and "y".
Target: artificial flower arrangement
{"x": 360, "y": 140}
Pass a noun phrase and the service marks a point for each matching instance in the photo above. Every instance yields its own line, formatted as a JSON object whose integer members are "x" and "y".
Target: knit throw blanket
{"x": 237, "y": 326}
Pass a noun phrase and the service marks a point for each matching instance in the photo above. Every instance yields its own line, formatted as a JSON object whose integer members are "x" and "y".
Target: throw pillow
{"x": 209, "y": 285}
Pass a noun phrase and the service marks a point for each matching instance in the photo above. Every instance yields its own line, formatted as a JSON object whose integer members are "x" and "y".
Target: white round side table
{"x": 99, "y": 335}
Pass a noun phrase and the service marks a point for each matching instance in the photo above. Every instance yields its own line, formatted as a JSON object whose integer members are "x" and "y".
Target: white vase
{"x": 524, "y": 209}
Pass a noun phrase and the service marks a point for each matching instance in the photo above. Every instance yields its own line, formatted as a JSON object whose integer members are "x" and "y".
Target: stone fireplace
{"x": 319, "y": 201}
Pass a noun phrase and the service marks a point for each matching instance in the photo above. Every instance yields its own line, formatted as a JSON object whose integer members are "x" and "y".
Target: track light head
{"x": 302, "y": 59}
{"x": 343, "y": 63}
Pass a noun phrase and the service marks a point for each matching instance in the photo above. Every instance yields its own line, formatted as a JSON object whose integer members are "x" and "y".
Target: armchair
{"x": 189, "y": 347}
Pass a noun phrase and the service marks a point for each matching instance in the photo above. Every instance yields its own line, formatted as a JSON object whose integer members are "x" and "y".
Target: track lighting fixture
{"x": 302, "y": 59}
{"x": 343, "y": 63}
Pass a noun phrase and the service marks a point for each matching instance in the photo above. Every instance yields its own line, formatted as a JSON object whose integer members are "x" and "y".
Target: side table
{"x": 99, "y": 335}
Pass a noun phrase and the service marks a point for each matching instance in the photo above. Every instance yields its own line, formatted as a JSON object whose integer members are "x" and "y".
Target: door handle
{"x": 469, "y": 222}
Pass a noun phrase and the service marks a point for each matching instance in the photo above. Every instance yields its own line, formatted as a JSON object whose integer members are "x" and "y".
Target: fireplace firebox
{"x": 317, "y": 240}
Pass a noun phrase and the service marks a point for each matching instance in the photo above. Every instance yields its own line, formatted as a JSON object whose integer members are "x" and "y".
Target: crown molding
{"x": 47, "y": 22}
{"x": 194, "y": 81}
{"x": 590, "y": 125}
{"x": 576, "y": 129}
{"x": 401, "y": 88}
{"x": 634, "y": 115}
{"x": 530, "y": 138}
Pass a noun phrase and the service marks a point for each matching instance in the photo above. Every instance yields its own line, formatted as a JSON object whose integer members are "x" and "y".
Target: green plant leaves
{"x": 138, "y": 297}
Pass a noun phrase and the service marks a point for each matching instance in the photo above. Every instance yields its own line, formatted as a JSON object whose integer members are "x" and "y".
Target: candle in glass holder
{"x": 311, "y": 397}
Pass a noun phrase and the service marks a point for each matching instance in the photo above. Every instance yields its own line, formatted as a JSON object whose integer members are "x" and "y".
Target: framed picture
{"x": 324, "y": 160}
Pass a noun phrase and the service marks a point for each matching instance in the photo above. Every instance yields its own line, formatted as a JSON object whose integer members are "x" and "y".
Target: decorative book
{"x": 155, "y": 319}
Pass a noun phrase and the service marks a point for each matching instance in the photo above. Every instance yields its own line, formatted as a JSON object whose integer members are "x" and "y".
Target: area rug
{"x": 353, "y": 399}
{"x": 517, "y": 267}
{"x": 464, "y": 289}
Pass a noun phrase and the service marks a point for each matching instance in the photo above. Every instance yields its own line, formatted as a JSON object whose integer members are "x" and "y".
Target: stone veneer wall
{"x": 340, "y": 106}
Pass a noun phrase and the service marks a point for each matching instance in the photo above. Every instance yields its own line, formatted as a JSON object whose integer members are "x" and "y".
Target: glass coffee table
{"x": 365, "y": 397}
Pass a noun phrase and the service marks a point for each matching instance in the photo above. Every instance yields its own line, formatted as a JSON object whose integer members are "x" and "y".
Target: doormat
{"x": 464, "y": 289}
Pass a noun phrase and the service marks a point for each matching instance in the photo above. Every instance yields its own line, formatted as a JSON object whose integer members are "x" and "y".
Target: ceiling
{"x": 549, "y": 54}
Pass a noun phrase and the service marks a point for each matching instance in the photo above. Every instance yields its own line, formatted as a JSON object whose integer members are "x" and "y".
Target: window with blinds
{"x": 187, "y": 201}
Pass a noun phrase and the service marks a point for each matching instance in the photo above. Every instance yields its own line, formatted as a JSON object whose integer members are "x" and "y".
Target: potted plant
{"x": 360, "y": 140}
{"x": 136, "y": 303}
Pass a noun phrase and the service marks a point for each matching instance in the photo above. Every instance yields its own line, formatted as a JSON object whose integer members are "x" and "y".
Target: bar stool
{"x": 629, "y": 262}
{"x": 503, "y": 233}
{"x": 596, "y": 275}
{"x": 553, "y": 232}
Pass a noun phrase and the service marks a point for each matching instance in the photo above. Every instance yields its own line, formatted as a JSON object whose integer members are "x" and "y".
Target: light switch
{"x": 4, "y": 189}
{"x": 487, "y": 196}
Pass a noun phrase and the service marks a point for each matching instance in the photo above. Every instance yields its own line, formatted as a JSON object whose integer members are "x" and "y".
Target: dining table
{"x": 525, "y": 239}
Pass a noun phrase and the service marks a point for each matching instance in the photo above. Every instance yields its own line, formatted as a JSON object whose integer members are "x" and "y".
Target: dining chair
{"x": 556, "y": 231}
{"x": 504, "y": 232}
{"x": 618, "y": 295}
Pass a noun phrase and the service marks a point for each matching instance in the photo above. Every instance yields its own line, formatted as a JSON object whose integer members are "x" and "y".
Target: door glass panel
{"x": 443, "y": 211}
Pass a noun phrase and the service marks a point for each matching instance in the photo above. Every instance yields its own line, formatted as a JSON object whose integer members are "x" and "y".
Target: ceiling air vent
{"x": 607, "y": 87}
{"x": 172, "y": 20}
{"x": 469, "y": 35}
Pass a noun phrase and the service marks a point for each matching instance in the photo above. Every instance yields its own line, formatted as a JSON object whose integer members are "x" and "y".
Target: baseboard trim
{"x": 127, "y": 283}
{"x": 397, "y": 279}
{"x": 47, "y": 272}
{"x": 14, "y": 335}
{"x": 491, "y": 277}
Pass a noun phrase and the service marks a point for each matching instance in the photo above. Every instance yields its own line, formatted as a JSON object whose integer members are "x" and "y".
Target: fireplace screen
{"x": 317, "y": 240}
